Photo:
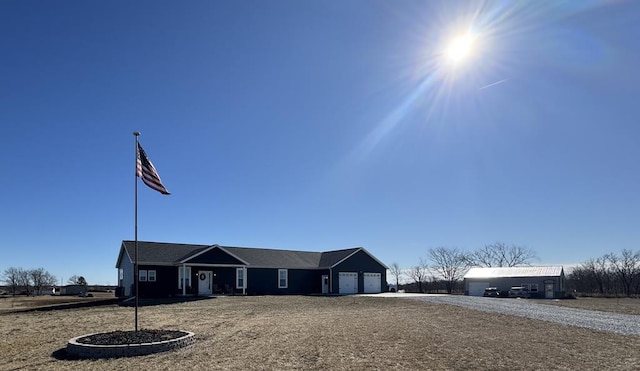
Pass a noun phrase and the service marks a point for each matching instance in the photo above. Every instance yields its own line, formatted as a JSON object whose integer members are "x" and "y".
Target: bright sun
{"x": 460, "y": 48}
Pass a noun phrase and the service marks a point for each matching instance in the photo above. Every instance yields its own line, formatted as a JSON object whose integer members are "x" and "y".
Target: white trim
{"x": 211, "y": 248}
{"x": 149, "y": 275}
{"x": 244, "y": 289}
{"x": 186, "y": 273}
{"x": 244, "y": 278}
{"x": 234, "y": 255}
{"x": 198, "y": 254}
{"x": 214, "y": 265}
{"x": 355, "y": 252}
{"x": 286, "y": 278}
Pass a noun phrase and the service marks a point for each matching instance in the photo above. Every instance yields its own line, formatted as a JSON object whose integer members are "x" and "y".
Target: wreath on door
{"x": 203, "y": 276}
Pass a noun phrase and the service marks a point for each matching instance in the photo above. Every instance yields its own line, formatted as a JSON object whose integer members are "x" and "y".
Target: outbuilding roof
{"x": 161, "y": 253}
{"x": 505, "y": 272}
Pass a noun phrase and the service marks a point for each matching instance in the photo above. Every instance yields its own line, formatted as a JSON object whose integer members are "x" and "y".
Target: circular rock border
{"x": 81, "y": 350}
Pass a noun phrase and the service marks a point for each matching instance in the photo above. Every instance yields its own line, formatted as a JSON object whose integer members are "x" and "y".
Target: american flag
{"x": 148, "y": 173}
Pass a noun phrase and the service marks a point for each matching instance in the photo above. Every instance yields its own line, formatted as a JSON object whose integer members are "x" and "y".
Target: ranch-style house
{"x": 173, "y": 269}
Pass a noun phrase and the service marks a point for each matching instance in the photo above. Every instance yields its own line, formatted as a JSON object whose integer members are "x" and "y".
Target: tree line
{"x": 608, "y": 275}
{"x": 33, "y": 281}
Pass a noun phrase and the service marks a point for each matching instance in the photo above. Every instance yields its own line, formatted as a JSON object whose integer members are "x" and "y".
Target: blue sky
{"x": 318, "y": 125}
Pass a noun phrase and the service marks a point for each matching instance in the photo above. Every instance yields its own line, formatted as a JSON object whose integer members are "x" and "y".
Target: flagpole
{"x": 135, "y": 263}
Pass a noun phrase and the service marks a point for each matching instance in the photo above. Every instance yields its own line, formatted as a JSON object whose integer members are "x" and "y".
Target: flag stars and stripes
{"x": 147, "y": 172}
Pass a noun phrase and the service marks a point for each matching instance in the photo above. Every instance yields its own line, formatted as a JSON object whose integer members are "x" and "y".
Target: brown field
{"x": 10, "y": 303}
{"x": 293, "y": 332}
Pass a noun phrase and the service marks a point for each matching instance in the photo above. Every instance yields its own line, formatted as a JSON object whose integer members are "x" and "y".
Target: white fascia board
{"x": 198, "y": 254}
{"x": 123, "y": 251}
{"x": 284, "y": 267}
{"x": 366, "y": 252}
{"x": 212, "y": 265}
{"x": 234, "y": 255}
{"x": 374, "y": 258}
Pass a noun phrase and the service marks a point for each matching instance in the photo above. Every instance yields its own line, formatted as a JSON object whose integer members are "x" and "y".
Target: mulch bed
{"x": 131, "y": 337}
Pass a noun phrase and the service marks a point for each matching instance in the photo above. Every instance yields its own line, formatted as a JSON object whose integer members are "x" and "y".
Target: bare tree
{"x": 626, "y": 268}
{"x": 11, "y": 278}
{"x": 41, "y": 278}
{"x": 77, "y": 280}
{"x": 450, "y": 263}
{"x": 500, "y": 254}
{"x": 420, "y": 273}
{"x": 24, "y": 280}
{"x": 598, "y": 271}
{"x": 396, "y": 272}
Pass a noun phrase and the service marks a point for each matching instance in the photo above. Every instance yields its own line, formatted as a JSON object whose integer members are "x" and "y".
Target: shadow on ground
{"x": 163, "y": 301}
{"x": 62, "y": 355}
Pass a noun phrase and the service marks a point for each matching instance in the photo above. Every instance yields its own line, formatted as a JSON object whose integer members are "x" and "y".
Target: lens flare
{"x": 461, "y": 48}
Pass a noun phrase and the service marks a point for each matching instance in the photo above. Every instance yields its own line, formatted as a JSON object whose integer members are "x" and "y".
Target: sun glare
{"x": 460, "y": 48}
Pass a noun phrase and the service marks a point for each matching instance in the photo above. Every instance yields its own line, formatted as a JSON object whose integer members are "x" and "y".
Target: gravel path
{"x": 624, "y": 324}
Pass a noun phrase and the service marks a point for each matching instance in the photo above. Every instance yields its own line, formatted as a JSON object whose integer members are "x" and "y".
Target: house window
{"x": 120, "y": 274}
{"x": 151, "y": 275}
{"x": 283, "y": 278}
{"x": 186, "y": 271}
{"x": 534, "y": 287}
{"x": 142, "y": 275}
{"x": 240, "y": 278}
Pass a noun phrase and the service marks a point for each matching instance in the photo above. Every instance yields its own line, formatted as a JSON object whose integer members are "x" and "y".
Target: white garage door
{"x": 348, "y": 282}
{"x": 477, "y": 288}
{"x": 372, "y": 283}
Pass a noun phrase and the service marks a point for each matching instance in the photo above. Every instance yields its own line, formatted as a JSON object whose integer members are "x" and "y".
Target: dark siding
{"x": 166, "y": 283}
{"x": 215, "y": 256}
{"x": 360, "y": 262}
{"x": 264, "y": 281}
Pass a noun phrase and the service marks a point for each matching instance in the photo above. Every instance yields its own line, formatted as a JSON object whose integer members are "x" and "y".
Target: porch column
{"x": 184, "y": 275}
{"x": 244, "y": 273}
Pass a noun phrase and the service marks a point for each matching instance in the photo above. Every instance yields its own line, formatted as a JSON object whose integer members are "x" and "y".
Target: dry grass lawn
{"x": 294, "y": 332}
{"x": 17, "y": 303}
{"x": 615, "y": 305}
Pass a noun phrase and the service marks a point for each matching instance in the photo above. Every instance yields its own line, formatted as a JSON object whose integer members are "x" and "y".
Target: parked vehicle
{"x": 491, "y": 292}
{"x": 518, "y": 292}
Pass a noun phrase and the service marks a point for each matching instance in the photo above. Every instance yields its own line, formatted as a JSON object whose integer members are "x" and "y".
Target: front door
{"x": 548, "y": 290}
{"x": 205, "y": 282}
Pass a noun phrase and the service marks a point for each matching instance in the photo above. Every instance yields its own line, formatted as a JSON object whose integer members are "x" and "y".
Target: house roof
{"x": 160, "y": 252}
{"x": 172, "y": 254}
{"x": 505, "y": 272}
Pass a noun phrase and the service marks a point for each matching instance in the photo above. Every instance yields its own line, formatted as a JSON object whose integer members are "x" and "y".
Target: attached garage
{"x": 372, "y": 283}
{"x": 348, "y": 282}
{"x": 477, "y": 288}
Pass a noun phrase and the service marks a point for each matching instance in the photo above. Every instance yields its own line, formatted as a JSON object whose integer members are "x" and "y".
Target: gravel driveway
{"x": 624, "y": 324}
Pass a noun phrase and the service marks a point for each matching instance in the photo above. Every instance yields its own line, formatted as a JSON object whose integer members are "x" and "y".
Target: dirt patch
{"x": 292, "y": 332}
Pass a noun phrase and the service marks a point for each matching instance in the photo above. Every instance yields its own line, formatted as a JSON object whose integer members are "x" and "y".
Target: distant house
{"x": 538, "y": 282}
{"x": 170, "y": 269}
